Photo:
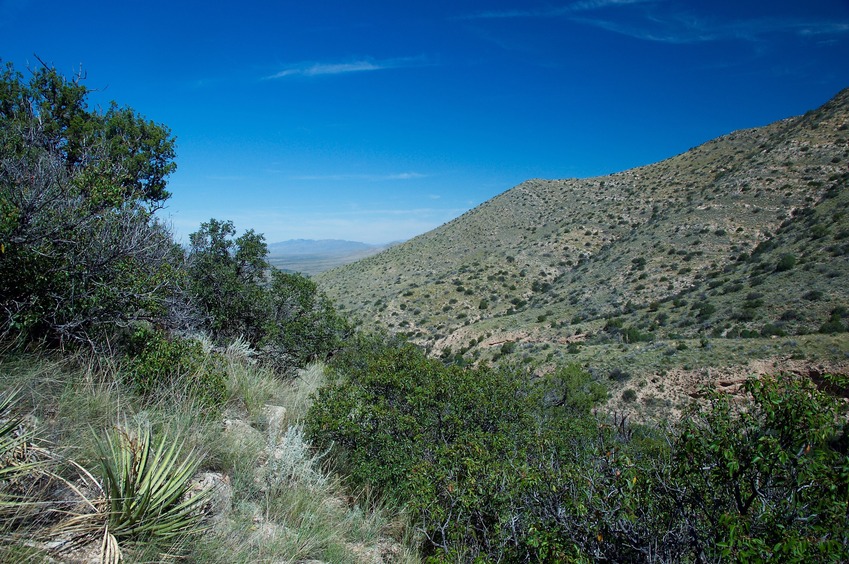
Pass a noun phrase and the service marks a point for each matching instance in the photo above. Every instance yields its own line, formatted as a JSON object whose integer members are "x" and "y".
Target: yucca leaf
{"x": 147, "y": 484}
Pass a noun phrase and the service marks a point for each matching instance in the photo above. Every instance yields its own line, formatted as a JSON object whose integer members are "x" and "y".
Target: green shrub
{"x": 77, "y": 192}
{"x": 450, "y": 442}
{"x": 634, "y": 335}
{"x": 508, "y": 348}
{"x": 226, "y": 280}
{"x": 288, "y": 319}
{"x": 769, "y": 482}
{"x": 786, "y": 262}
{"x": 155, "y": 363}
{"x": 704, "y": 309}
{"x": 834, "y": 324}
{"x": 619, "y": 375}
{"x": 304, "y": 326}
{"x": 394, "y": 402}
{"x": 771, "y": 330}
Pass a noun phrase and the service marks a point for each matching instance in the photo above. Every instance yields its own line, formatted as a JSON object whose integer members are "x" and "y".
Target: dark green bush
{"x": 772, "y": 330}
{"x": 634, "y": 335}
{"x": 834, "y": 324}
{"x": 770, "y": 482}
{"x": 453, "y": 443}
{"x": 704, "y": 309}
{"x": 619, "y": 375}
{"x": 498, "y": 466}
{"x": 226, "y": 276}
{"x": 786, "y": 262}
{"x": 80, "y": 249}
{"x": 507, "y": 348}
{"x": 288, "y": 319}
{"x": 157, "y": 363}
{"x": 395, "y": 402}
{"x": 303, "y": 325}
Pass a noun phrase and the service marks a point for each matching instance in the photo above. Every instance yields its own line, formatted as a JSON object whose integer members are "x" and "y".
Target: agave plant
{"x": 146, "y": 486}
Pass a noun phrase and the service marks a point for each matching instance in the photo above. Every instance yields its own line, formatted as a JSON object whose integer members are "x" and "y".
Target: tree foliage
{"x": 304, "y": 325}
{"x": 84, "y": 259}
{"x": 771, "y": 481}
{"x": 226, "y": 280}
{"x": 80, "y": 251}
{"x": 284, "y": 315}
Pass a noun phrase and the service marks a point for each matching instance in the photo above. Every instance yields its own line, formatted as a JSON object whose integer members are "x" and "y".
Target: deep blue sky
{"x": 377, "y": 121}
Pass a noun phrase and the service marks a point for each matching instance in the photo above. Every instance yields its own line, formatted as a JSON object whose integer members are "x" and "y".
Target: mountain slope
{"x": 687, "y": 248}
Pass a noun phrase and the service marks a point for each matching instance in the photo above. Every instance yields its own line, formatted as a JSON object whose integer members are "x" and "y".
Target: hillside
{"x": 311, "y": 257}
{"x": 737, "y": 250}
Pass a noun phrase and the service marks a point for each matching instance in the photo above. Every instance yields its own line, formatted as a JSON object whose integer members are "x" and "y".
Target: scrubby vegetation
{"x": 122, "y": 353}
{"x": 496, "y": 465}
{"x": 153, "y": 394}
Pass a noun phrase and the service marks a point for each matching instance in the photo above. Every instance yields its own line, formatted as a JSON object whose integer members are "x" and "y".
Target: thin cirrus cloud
{"x": 682, "y": 30}
{"x": 317, "y": 69}
{"x": 648, "y": 21}
{"x": 575, "y": 7}
{"x": 369, "y": 177}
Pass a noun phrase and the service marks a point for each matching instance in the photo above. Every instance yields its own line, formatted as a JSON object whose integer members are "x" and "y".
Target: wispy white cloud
{"x": 368, "y": 177}
{"x": 550, "y": 12}
{"x": 316, "y": 69}
{"x": 662, "y": 21}
{"x": 599, "y": 4}
{"x": 686, "y": 28}
{"x": 824, "y": 28}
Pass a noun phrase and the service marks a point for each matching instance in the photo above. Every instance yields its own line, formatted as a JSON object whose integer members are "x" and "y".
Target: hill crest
{"x": 684, "y": 249}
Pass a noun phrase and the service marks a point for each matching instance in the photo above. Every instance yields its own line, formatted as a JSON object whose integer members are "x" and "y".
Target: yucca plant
{"x": 22, "y": 467}
{"x": 146, "y": 486}
{"x": 18, "y": 461}
{"x": 10, "y": 439}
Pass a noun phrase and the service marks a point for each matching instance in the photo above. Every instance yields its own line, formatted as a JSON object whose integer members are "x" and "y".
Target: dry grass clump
{"x": 120, "y": 477}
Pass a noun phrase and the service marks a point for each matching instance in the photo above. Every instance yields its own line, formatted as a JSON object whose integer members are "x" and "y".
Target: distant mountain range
{"x": 666, "y": 276}
{"x": 310, "y": 256}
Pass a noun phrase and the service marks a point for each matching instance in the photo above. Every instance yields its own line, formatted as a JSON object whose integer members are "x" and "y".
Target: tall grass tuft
{"x": 302, "y": 390}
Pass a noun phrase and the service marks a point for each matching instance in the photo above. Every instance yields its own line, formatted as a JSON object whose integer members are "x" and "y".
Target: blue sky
{"x": 377, "y": 121}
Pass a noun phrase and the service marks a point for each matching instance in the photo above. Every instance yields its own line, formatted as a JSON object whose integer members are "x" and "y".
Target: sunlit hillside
{"x": 731, "y": 252}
